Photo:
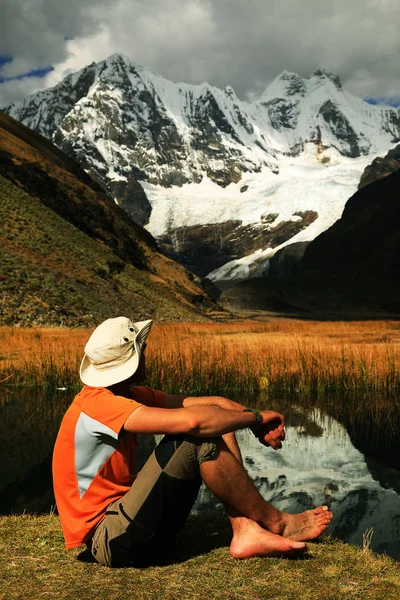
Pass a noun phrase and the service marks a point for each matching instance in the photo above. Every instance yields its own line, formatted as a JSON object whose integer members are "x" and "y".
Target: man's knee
{"x": 179, "y": 455}
{"x": 206, "y": 448}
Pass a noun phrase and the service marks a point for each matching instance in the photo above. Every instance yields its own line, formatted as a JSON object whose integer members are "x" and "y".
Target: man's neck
{"x": 121, "y": 389}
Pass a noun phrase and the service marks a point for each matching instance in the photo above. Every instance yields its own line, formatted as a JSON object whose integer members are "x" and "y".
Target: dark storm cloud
{"x": 246, "y": 44}
{"x": 243, "y": 44}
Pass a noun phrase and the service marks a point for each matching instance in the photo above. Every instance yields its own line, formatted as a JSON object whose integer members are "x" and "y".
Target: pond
{"x": 318, "y": 465}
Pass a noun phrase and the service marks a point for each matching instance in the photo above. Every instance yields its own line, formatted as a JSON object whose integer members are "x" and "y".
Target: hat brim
{"x": 94, "y": 377}
{"x": 105, "y": 377}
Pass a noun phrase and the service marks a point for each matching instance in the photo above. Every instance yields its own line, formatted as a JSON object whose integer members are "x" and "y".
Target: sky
{"x": 241, "y": 43}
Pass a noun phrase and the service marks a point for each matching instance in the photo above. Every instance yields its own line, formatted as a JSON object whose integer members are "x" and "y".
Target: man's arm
{"x": 176, "y": 401}
{"x": 271, "y": 433}
{"x": 198, "y": 420}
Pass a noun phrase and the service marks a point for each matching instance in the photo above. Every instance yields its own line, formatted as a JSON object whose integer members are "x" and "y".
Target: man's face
{"x": 140, "y": 374}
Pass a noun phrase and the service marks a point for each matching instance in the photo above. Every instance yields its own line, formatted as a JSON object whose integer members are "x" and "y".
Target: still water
{"x": 318, "y": 464}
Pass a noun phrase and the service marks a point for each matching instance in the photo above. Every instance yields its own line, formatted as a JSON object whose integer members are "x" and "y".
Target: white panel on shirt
{"x": 94, "y": 444}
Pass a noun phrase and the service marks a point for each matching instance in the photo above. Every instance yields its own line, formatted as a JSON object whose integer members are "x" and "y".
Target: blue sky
{"x": 225, "y": 42}
{"x": 38, "y": 73}
{"x": 391, "y": 101}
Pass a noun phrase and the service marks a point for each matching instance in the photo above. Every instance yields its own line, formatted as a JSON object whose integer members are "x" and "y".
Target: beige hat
{"x": 113, "y": 351}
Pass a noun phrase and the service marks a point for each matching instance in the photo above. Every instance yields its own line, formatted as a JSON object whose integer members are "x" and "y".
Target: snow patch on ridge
{"x": 302, "y": 184}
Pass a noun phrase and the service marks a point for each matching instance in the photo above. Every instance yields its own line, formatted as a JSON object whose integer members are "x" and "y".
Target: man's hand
{"x": 271, "y": 432}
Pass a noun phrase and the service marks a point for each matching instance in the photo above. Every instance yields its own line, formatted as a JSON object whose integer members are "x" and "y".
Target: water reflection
{"x": 318, "y": 464}
{"x": 29, "y": 422}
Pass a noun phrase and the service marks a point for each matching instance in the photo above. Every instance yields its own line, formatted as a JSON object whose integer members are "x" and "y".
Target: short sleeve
{"x": 104, "y": 407}
{"x": 148, "y": 396}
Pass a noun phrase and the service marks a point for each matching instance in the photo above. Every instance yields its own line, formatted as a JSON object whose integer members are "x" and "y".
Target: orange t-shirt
{"x": 94, "y": 459}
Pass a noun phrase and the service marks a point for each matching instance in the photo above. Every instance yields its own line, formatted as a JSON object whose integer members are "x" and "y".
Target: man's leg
{"x": 258, "y": 527}
{"x": 143, "y": 522}
{"x": 161, "y": 498}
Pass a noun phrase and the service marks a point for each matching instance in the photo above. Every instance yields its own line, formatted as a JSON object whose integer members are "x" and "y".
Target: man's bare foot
{"x": 305, "y": 526}
{"x": 249, "y": 539}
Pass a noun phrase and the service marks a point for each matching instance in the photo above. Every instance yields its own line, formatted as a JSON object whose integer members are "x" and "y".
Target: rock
{"x": 204, "y": 248}
{"x": 351, "y": 270}
{"x": 283, "y": 263}
{"x": 132, "y": 198}
{"x": 381, "y": 167}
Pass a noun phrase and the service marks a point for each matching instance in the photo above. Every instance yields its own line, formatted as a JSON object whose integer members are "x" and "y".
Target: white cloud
{"x": 11, "y": 91}
{"x": 243, "y": 44}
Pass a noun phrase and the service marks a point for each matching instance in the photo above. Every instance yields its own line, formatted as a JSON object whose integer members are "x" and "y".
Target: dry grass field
{"x": 356, "y": 364}
{"x": 347, "y": 369}
{"x": 278, "y": 355}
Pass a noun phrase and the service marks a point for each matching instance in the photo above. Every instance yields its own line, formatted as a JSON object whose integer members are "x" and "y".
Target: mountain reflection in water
{"x": 318, "y": 464}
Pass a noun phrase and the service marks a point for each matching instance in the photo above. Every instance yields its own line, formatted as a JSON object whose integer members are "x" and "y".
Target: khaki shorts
{"x": 140, "y": 527}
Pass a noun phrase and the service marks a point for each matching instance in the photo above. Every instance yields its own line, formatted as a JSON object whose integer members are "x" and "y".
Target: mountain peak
{"x": 323, "y": 73}
{"x": 229, "y": 91}
{"x": 285, "y": 84}
{"x": 288, "y": 75}
{"x": 118, "y": 58}
{"x": 122, "y": 123}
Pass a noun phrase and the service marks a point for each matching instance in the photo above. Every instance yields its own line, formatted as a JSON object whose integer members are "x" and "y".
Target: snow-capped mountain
{"x": 224, "y": 179}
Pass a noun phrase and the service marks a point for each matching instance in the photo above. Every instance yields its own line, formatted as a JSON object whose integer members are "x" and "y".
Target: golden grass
{"x": 284, "y": 355}
{"x": 37, "y": 356}
{"x": 278, "y": 355}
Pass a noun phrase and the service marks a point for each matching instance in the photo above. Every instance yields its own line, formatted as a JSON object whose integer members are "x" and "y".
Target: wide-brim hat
{"x": 113, "y": 351}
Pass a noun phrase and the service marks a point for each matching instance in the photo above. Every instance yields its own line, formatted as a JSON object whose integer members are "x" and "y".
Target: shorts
{"x": 140, "y": 527}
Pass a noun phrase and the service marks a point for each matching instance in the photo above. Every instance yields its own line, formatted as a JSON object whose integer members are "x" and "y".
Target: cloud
{"x": 243, "y": 44}
{"x": 34, "y": 31}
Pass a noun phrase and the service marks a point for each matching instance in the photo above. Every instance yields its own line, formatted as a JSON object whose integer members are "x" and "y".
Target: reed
{"x": 46, "y": 358}
{"x": 235, "y": 358}
{"x": 277, "y": 356}
{"x": 347, "y": 370}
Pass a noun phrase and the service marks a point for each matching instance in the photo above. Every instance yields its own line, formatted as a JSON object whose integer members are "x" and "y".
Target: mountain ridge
{"x": 124, "y": 123}
{"x": 44, "y": 111}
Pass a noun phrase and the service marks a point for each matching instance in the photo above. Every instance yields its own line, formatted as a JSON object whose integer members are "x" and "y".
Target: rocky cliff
{"x": 381, "y": 167}
{"x": 351, "y": 269}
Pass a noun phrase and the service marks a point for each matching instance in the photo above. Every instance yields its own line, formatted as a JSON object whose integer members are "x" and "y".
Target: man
{"x": 127, "y": 519}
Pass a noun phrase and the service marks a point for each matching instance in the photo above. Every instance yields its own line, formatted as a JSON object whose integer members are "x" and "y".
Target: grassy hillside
{"x": 52, "y": 273}
{"x": 71, "y": 256}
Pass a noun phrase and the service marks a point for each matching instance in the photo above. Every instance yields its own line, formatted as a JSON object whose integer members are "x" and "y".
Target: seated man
{"x": 126, "y": 518}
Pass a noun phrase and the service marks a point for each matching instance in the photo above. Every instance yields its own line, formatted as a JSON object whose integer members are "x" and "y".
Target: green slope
{"x": 51, "y": 273}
